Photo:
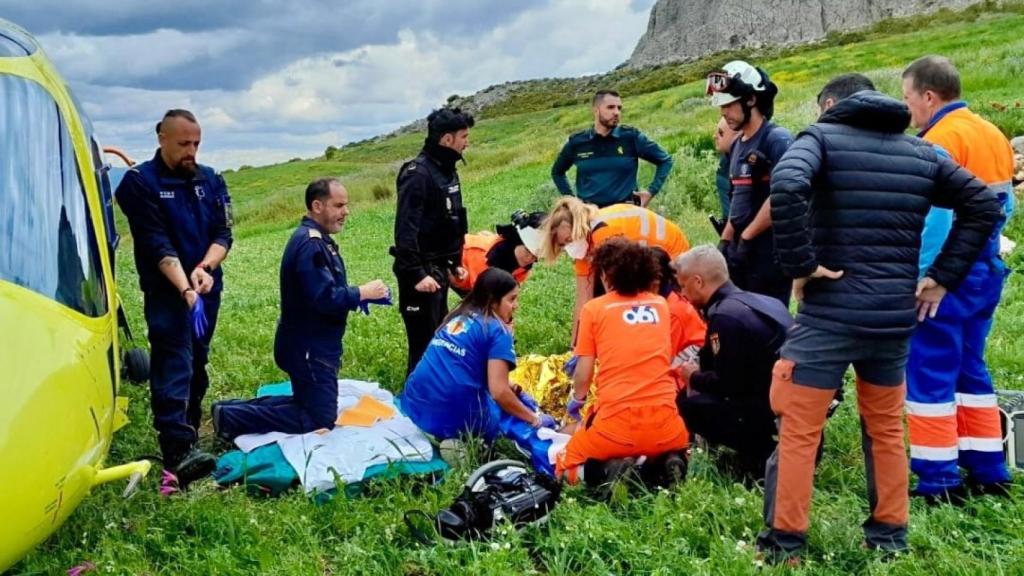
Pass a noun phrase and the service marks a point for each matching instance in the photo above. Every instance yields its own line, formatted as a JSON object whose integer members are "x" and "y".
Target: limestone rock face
{"x": 688, "y": 29}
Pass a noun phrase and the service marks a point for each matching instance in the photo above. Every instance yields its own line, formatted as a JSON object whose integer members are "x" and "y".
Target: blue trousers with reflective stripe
{"x": 946, "y": 358}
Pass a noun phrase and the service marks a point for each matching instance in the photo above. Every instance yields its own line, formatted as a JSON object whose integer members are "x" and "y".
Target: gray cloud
{"x": 196, "y": 45}
{"x": 271, "y": 83}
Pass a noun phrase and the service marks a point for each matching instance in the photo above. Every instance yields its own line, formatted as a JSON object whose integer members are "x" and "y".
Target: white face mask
{"x": 577, "y": 249}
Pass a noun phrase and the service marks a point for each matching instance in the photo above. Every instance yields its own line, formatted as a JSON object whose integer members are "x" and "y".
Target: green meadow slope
{"x": 704, "y": 526}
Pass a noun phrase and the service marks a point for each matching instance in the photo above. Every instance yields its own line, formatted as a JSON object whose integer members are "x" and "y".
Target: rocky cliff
{"x": 687, "y": 29}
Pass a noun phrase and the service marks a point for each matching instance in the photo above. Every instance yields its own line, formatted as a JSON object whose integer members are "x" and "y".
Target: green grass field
{"x": 703, "y": 526}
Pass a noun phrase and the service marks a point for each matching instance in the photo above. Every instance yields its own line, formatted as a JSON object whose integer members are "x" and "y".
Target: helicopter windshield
{"x": 49, "y": 242}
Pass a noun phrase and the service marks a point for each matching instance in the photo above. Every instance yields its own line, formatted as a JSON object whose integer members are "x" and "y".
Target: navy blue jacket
{"x": 740, "y": 347}
{"x": 851, "y": 194}
{"x": 315, "y": 298}
{"x": 174, "y": 216}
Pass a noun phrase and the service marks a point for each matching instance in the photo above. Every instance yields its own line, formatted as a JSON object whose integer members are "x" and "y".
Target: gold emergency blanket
{"x": 542, "y": 378}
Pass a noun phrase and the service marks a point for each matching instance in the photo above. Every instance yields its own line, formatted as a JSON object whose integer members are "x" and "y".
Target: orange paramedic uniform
{"x": 688, "y": 331}
{"x": 634, "y": 412}
{"x": 474, "y": 260}
{"x": 637, "y": 224}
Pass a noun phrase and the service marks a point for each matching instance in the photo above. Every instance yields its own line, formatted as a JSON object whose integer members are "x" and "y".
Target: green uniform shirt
{"x": 606, "y": 166}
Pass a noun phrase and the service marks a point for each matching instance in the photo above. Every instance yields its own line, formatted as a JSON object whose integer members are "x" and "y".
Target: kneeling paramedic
{"x": 627, "y": 333}
{"x": 315, "y": 302}
{"x": 726, "y": 395}
{"x": 513, "y": 249}
{"x": 854, "y": 260}
{"x": 461, "y": 385}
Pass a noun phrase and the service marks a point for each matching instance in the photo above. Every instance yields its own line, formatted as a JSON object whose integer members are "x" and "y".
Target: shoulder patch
{"x": 313, "y": 233}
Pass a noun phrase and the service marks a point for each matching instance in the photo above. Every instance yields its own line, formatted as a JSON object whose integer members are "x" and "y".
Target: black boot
{"x": 194, "y": 465}
{"x": 664, "y": 470}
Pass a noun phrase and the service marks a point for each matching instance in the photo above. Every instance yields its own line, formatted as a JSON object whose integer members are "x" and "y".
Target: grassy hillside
{"x": 705, "y": 526}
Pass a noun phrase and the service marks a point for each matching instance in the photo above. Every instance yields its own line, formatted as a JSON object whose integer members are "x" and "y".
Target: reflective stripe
{"x": 934, "y": 431}
{"x": 980, "y": 422}
{"x": 645, "y": 225}
{"x": 976, "y": 400}
{"x": 934, "y": 454}
{"x": 923, "y": 409}
{"x": 982, "y": 444}
{"x": 659, "y": 227}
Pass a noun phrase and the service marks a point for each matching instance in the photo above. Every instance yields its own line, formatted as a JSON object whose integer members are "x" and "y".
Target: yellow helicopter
{"x": 59, "y": 311}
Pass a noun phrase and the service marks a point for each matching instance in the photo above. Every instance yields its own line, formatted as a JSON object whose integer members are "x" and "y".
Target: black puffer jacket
{"x": 851, "y": 194}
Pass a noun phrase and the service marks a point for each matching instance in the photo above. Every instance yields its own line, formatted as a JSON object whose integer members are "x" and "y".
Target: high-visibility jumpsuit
{"x": 951, "y": 405}
{"x": 634, "y": 223}
{"x": 634, "y": 413}
{"x": 474, "y": 260}
{"x": 688, "y": 333}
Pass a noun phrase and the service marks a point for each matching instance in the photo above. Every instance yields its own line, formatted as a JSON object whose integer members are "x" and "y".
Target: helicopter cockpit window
{"x": 49, "y": 244}
{"x": 14, "y": 44}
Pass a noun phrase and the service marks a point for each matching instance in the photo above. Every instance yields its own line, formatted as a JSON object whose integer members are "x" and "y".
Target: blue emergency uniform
{"x": 447, "y": 395}
{"x": 315, "y": 302}
{"x": 171, "y": 214}
{"x": 952, "y": 411}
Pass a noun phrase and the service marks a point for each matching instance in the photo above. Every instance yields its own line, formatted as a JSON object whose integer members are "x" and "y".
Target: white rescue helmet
{"x": 734, "y": 81}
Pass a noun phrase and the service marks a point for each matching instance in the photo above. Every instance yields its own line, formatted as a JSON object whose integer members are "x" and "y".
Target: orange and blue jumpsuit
{"x": 951, "y": 405}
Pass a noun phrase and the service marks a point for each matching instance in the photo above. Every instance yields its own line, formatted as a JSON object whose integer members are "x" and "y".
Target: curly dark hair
{"x": 629, "y": 267}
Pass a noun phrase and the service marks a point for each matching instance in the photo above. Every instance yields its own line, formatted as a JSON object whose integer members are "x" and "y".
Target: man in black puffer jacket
{"x": 848, "y": 202}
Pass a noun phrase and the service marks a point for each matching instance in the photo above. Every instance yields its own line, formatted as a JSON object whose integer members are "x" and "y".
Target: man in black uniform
{"x": 315, "y": 302}
{"x": 746, "y": 98}
{"x": 179, "y": 213}
{"x": 430, "y": 226}
{"x": 726, "y": 398}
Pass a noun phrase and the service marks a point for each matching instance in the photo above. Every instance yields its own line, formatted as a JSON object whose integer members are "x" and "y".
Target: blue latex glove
{"x": 570, "y": 366}
{"x": 527, "y": 400}
{"x": 364, "y": 305}
{"x": 574, "y": 407}
{"x": 198, "y": 313}
{"x": 548, "y": 421}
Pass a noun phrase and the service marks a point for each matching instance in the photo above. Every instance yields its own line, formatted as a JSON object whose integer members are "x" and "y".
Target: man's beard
{"x": 609, "y": 123}
{"x": 186, "y": 169}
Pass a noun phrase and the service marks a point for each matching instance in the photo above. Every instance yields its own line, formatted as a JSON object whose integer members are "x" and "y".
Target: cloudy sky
{"x": 275, "y": 79}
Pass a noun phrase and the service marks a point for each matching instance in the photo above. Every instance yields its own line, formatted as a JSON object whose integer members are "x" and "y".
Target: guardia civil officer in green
{"x": 606, "y": 158}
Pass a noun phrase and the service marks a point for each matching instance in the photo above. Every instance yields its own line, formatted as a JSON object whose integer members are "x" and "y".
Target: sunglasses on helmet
{"x": 717, "y": 82}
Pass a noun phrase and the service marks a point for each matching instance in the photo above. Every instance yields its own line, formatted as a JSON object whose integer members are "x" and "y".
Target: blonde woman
{"x": 578, "y": 229}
